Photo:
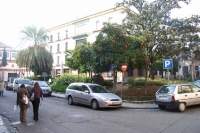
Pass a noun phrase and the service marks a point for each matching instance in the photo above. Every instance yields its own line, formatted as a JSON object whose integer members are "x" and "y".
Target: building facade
{"x": 69, "y": 35}
{"x": 11, "y": 69}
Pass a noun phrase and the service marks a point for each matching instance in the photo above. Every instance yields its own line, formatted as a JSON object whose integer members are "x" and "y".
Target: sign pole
{"x": 168, "y": 76}
{"x": 122, "y": 82}
{"x": 124, "y": 67}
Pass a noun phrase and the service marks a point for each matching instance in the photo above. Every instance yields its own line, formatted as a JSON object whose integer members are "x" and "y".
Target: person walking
{"x": 23, "y": 106}
{"x": 1, "y": 87}
{"x": 38, "y": 93}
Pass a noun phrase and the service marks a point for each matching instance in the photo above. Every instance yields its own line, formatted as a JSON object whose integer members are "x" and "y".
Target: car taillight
{"x": 173, "y": 98}
{"x": 155, "y": 96}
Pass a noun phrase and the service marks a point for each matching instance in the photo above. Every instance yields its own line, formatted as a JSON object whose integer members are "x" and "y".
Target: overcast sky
{"x": 16, "y": 14}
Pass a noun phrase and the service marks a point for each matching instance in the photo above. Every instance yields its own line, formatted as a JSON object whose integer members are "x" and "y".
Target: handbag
{"x": 24, "y": 99}
{"x": 32, "y": 97}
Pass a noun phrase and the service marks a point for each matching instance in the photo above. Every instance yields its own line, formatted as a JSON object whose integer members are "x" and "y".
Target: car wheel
{"x": 70, "y": 100}
{"x": 181, "y": 107}
{"x": 94, "y": 104}
{"x": 162, "y": 107}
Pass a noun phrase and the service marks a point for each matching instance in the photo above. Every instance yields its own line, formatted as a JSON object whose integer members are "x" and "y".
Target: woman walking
{"x": 20, "y": 101}
{"x": 1, "y": 87}
{"x": 38, "y": 93}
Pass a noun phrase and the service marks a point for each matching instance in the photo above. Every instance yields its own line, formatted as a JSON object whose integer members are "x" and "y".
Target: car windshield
{"x": 24, "y": 81}
{"x": 197, "y": 82}
{"x": 42, "y": 83}
{"x": 167, "y": 89}
{"x": 11, "y": 80}
{"x": 98, "y": 89}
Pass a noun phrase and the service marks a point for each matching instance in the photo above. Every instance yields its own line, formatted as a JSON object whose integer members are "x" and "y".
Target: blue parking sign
{"x": 167, "y": 64}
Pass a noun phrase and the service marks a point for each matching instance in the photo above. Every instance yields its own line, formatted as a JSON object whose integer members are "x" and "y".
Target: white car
{"x": 177, "y": 95}
{"x": 17, "y": 83}
{"x": 93, "y": 95}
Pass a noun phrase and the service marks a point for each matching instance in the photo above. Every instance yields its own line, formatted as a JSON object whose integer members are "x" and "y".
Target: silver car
{"x": 177, "y": 95}
{"x": 91, "y": 94}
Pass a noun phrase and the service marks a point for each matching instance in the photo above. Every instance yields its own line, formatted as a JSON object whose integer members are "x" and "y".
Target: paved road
{"x": 56, "y": 116}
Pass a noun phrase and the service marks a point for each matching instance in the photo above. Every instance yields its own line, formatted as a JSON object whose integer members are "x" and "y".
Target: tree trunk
{"x": 152, "y": 76}
{"x": 114, "y": 80}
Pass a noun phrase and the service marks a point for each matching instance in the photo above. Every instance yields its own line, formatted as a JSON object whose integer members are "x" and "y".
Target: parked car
{"x": 178, "y": 96}
{"x": 9, "y": 84}
{"x": 197, "y": 82}
{"x": 18, "y": 81}
{"x": 91, "y": 94}
{"x": 44, "y": 86}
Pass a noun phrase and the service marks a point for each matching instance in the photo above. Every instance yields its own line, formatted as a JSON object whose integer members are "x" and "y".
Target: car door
{"x": 77, "y": 93}
{"x": 85, "y": 95}
{"x": 196, "y": 90}
{"x": 186, "y": 94}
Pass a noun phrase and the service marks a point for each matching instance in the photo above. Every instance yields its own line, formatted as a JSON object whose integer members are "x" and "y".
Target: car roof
{"x": 178, "y": 84}
{"x": 82, "y": 83}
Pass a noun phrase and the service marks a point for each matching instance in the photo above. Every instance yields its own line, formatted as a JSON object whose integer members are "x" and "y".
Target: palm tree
{"x": 35, "y": 57}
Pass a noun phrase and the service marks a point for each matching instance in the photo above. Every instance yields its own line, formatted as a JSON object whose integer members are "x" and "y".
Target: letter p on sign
{"x": 167, "y": 64}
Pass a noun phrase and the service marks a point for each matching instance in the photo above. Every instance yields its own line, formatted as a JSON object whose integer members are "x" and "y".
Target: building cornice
{"x": 89, "y": 17}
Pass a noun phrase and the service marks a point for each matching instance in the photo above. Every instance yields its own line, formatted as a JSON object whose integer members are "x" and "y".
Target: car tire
{"x": 162, "y": 107}
{"x": 94, "y": 105}
{"x": 70, "y": 100}
{"x": 181, "y": 107}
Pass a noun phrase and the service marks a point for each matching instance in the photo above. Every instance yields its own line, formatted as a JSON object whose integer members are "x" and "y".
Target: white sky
{"x": 16, "y": 14}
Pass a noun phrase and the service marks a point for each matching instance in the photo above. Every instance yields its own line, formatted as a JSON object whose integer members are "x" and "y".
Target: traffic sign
{"x": 124, "y": 67}
{"x": 167, "y": 64}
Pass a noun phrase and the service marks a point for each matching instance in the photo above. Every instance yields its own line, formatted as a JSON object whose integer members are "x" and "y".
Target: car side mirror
{"x": 87, "y": 91}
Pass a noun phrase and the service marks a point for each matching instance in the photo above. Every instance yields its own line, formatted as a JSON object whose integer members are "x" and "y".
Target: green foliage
{"x": 130, "y": 98}
{"x": 107, "y": 83}
{"x": 66, "y": 79}
{"x": 36, "y": 59}
{"x": 163, "y": 37}
{"x": 133, "y": 82}
{"x": 98, "y": 79}
{"x": 4, "y": 58}
{"x": 81, "y": 58}
{"x": 145, "y": 98}
{"x": 58, "y": 88}
{"x": 34, "y": 35}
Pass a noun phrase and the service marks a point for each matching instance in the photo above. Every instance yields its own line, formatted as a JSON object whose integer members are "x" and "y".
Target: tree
{"x": 162, "y": 34}
{"x": 4, "y": 58}
{"x": 81, "y": 58}
{"x": 35, "y": 57}
{"x": 114, "y": 46}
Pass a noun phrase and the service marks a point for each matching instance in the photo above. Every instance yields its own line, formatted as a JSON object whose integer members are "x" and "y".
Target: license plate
{"x": 163, "y": 96}
{"x": 114, "y": 103}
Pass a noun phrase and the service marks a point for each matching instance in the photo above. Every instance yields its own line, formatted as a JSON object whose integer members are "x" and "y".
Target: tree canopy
{"x": 4, "y": 58}
{"x": 163, "y": 36}
{"x": 35, "y": 57}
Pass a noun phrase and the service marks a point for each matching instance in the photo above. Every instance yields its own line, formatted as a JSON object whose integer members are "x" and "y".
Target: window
{"x": 58, "y": 36}
{"x": 186, "y": 89}
{"x": 51, "y": 49}
{"x": 110, "y": 20}
{"x": 66, "y": 46}
{"x": 66, "y": 33}
{"x": 80, "y": 41}
{"x": 58, "y": 60}
{"x": 1, "y": 54}
{"x": 97, "y": 25}
{"x": 140, "y": 73}
{"x": 58, "y": 48}
{"x": 13, "y": 55}
{"x": 8, "y": 55}
{"x": 51, "y": 38}
{"x": 130, "y": 71}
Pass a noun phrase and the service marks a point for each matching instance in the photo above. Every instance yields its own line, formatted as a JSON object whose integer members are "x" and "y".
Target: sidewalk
{"x": 3, "y": 128}
{"x": 125, "y": 104}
